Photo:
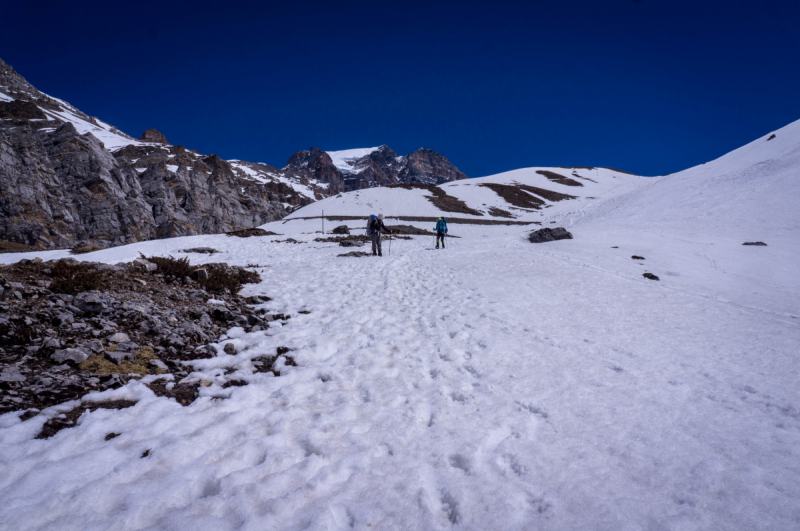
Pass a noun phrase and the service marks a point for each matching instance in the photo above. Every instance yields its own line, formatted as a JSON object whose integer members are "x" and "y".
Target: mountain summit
{"x": 354, "y": 169}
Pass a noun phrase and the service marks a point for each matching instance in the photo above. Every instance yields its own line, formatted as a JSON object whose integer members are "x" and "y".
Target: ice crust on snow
{"x": 494, "y": 385}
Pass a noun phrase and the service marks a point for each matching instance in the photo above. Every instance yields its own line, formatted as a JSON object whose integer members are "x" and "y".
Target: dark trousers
{"x": 440, "y": 236}
{"x": 376, "y": 244}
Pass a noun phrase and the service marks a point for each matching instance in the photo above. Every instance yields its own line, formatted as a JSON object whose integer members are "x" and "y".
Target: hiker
{"x": 374, "y": 228}
{"x": 441, "y": 230}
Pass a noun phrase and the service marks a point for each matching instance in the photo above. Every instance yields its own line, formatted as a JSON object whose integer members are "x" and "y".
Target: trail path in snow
{"x": 493, "y": 385}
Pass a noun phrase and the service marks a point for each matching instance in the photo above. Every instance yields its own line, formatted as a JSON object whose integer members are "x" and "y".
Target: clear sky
{"x": 647, "y": 86}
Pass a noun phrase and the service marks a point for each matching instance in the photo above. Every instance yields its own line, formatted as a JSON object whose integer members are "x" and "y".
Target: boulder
{"x": 146, "y": 265}
{"x": 89, "y": 302}
{"x": 548, "y": 235}
{"x": 118, "y": 357}
{"x": 651, "y": 276}
{"x": 77, "y": 355}
{"x": 199, "y": 274}
{"x": 202, "y": 250}
{"x": 341, "y": 229}
{"x": 119, "y": 337}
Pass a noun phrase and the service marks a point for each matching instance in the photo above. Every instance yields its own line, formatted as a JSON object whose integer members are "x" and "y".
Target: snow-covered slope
{"x": 585, "y": 186}
{"x": 496, "y": 384}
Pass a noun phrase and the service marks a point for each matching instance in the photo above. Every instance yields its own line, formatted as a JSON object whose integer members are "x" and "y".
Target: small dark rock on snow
{"x": 760, "y": 244}
{"x": 548, "y": 235}
{"x": 341, "y": 229}
{"x": 637, "y": 257}
{"x": 651, "y": 276}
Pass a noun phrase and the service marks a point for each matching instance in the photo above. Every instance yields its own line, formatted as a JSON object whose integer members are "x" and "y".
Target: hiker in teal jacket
{"x": 441, "y": 230}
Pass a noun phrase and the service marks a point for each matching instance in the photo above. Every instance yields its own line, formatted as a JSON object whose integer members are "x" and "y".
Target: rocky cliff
{"x": 380, "y": 166}
{"x": 67, "y": 178}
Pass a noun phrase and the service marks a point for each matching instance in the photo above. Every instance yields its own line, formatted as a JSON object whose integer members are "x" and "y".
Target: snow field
{"x": 494, "y": 385}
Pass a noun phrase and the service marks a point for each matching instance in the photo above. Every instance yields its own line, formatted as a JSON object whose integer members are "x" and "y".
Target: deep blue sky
{"x": 647, "y": 86}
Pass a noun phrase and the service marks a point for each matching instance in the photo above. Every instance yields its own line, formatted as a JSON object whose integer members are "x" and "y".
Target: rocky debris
{"x": 61, "y": 342}
{"x": 760, "y": 244}
{"x": 183, "y": 393}
{"x": 771, "y": 137}
{"x": 341, "y": 229}
{"x": 548, "y": 234}
{"x": 247, "y": 233}
{"x": 202, "y": 250}
{"x": 154, "y": 135}
{"x": 351, "y": 243}
{"x": 355, "y": 254}
{"x": 637, "y": 257}
{"x": 651, "y": 276}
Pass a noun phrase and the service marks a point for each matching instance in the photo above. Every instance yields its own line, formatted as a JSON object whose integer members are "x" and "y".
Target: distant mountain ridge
{"x": 366, "y": 168}
{"x": 70, "y": 179}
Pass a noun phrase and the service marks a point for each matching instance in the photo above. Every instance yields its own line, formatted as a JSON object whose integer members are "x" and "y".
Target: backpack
{"x": 441, "y": 226}
{"x": 371, "y": 222}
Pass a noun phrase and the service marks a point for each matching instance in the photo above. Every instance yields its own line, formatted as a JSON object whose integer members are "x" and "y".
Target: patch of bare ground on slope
{"x": 550, "y": 195}
{"x": 558, "y": 178}
{"x": 514, "y": 195}
{"x": 440, "y": 199}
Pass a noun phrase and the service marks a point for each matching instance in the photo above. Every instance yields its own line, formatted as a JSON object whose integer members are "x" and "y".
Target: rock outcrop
{"x": 155, "y": 136}
{"x": 380, "y": 167}
{"x": 62, "y": 188}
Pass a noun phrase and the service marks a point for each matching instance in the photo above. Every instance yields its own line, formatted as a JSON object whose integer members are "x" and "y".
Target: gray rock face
{"x": 59, "y": 188}
{"x": 548, "y": 235}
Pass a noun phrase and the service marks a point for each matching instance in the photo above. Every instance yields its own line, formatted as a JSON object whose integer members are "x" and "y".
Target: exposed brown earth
{"x": 514, "y": 195}
{"x": 440, "y": 199}
{"x": 557, "y": 178}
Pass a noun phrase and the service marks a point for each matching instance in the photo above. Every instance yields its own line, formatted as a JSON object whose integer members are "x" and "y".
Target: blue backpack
{"x": 441, "y": 226}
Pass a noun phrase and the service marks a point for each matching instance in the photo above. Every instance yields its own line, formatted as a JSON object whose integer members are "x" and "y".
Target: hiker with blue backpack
{"x": 440, "y": 230}
{"x": 374, "y": 227}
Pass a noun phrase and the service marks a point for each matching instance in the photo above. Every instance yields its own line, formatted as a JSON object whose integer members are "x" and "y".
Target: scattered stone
{"x": 350, "y": 243}
{"x": 203, "y": 250}
{"x": 199, "y": 274}
{"x": 118, "y": 357}
{"x": 119, "y": 337}
{"x": 146, "y": 265}
{"x": 341, "y": 229}
{"x": 760, "y": 244}
{"x": 548, "y": 234}
{"x": 76, "y": 355}
{"x": 651, "y": 276}
{"x": 637, "y": 257}
{"x": 771, "y": 137}
{"x": 159, "y": 365}
{"x": 229, "y": 349}
{"x": 111, "y": 436}
{"x": 355, "y": 253}
{"x": 247, "y": 233}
